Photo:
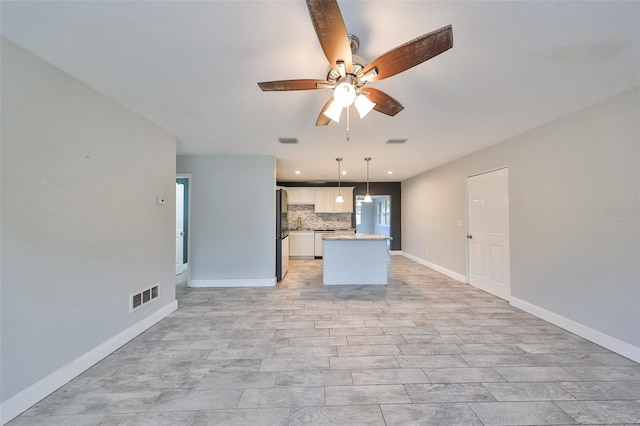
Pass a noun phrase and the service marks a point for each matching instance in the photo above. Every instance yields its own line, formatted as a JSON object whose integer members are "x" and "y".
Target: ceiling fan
{"x": 349, "y": 73}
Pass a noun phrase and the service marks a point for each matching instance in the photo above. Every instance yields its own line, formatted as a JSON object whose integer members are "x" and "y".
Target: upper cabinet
{"x": 301, "y": 195}
{"x": 324, "y": 199}
{"x": 347, "y": 206}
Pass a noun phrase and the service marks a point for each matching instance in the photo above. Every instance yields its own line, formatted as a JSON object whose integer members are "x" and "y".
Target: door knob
{"x": 469, "y": 236}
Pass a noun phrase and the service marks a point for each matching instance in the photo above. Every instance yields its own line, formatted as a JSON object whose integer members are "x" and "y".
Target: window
{"x": 383, "y": 213}
{"x": 358, "y": 212}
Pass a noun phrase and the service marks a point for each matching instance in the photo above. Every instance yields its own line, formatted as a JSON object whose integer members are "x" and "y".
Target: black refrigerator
{"x": 282, "y": 235}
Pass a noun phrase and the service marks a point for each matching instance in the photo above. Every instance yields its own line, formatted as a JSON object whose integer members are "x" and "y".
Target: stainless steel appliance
{"x": 318, "y": 241}
{"x": 318, "y": 233}
{"x": 282, "y": 235}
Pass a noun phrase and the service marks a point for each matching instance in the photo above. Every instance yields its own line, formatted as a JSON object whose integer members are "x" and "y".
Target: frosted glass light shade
{"x": 334, "y": 111}
{"x": 363, "y": 105}
{"x": 367, "y": 199}
{"x": 339, "y": 199}
{"x": 344, "y": 94}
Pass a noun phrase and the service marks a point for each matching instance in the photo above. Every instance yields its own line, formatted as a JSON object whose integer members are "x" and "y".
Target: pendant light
{"x": 367, "y": 197}
{"x": 339, "y": 198}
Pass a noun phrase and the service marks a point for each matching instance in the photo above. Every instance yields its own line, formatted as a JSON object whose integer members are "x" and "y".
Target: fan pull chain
{"x": 348, "y": 137}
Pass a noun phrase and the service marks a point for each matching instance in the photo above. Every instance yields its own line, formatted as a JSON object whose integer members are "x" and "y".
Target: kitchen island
{"x": 355, "y": 259}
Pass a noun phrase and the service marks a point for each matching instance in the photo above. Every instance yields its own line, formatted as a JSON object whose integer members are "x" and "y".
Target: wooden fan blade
{"x": 332, "y": 34}
{"x": 323, "y": 120}
{"x": 384, "y": 103}
{"x": 412, "y": 53}
{"x": 283, "y": 85}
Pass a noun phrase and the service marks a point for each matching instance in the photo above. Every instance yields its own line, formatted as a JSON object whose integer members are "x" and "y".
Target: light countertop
{"x": 355, "y": 237}
{"x": 323, "y": 229}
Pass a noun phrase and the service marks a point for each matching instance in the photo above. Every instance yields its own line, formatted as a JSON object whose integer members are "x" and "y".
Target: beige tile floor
{"x": 424, "y": 350}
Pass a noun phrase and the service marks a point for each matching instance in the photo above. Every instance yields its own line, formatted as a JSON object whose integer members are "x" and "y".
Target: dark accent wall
{"x": 393, "y": 189}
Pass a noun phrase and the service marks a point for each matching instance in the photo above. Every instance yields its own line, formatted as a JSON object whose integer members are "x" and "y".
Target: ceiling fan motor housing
{"x": 354, "y": 41}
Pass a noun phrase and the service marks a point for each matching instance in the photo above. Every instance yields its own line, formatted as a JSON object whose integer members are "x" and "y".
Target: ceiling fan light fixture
{"x": 334, "y": 111}
{"x": 363, "y": 105}
{"x": 369, "y": 74}
{"x": 341, "y": 68}
{"x": 344, "y": 93}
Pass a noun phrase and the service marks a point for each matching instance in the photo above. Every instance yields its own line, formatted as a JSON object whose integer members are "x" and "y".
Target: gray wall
{"x": 574, "y": 224}
{"x": 81, "y": 230}
{"x": 232, "y": 216}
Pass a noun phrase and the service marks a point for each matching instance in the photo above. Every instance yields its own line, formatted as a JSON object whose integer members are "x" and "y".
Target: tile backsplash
{"x": 302, "y": 216}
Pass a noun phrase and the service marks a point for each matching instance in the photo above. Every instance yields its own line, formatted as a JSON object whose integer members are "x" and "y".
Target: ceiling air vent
{"x": 288, "y": 140}
{"x": 396, "y": 141}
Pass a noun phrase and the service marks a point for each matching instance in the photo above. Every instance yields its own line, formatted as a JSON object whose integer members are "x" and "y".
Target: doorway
{"x": 182, "y": 227}
{"x": 373, "y": 217}
{"x": 488, "y": 232}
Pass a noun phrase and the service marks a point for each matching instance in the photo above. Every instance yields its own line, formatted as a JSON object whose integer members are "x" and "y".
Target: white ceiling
{"x": 192, "y": 68}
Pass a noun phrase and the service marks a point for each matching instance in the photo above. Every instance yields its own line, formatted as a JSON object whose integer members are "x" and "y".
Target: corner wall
{"x": 574, "y": 188}
{"x": 81, "y": 230}
{"x": 233, "y": 220}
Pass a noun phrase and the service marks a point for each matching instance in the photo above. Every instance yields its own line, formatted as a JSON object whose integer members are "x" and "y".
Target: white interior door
{"x": 179, "y": 228}
{"x": 488, "y": 236}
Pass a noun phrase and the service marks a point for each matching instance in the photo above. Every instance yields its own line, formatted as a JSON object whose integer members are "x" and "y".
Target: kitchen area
{"x": 305, "y": 215}
{"x": 312, "y": 215}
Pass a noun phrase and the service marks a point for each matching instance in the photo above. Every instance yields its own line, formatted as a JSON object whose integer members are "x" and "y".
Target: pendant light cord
{"x": 348, "y": 137}
{"x": 339, "y": 172}
{"x": 367, "y": 160}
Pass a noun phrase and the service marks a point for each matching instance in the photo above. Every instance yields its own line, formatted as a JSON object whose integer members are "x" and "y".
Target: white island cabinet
{"x": 355, "y": 259}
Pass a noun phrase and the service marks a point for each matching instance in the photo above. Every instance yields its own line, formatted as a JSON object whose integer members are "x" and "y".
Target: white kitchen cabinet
{"x": 347, "y": 206}
{"x": 301, "y": 195}
{"x": 323, "y": 202}
{"x": 301, "y": 244}
{"x": 326, "y": 200}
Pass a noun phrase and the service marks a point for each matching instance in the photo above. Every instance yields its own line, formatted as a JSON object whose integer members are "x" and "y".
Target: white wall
{"x": 81, "y": 230}
{"x": 572, "y": 257}
{"x": 232, "y": 219}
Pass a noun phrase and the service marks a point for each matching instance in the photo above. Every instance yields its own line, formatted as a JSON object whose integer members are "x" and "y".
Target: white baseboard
{"x": 625, "y": 349}
{"x": 20, "y": 402}
{"x": 261, "y": 282}
{"x": 452, "y": 274}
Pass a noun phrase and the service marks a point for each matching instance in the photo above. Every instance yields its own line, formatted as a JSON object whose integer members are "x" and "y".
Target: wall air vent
{"x": 396, "y": 141}
{"x": 288, "y": 140}
{"x": 143, "y": 297}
